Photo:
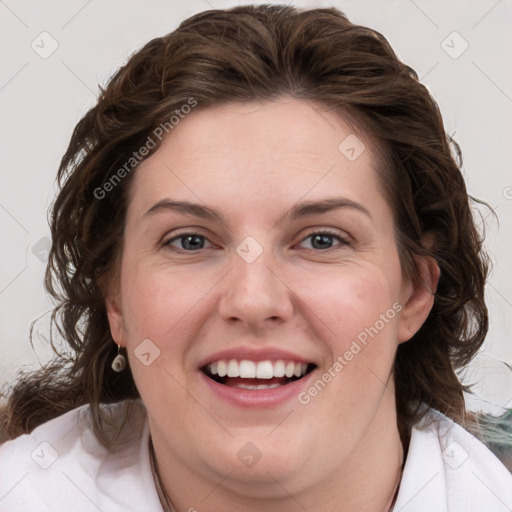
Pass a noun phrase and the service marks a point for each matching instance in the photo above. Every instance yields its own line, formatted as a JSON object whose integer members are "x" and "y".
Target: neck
{"x": 378, "y": 459}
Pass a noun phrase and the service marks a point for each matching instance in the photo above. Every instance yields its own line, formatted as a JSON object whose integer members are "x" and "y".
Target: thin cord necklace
{"x": 395, "y": 495}
{"x": 162, "y": 496}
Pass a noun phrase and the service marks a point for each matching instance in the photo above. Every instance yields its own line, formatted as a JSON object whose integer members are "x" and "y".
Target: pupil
{"x": 322, "y": 241}
{"x": 192, "y": 242}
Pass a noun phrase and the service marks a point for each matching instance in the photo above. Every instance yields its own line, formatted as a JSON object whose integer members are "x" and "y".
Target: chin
{"x": 258, "y": 459}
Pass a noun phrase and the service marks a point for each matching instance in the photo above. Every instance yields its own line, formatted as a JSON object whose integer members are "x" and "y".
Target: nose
{"x": 255, "y": 295}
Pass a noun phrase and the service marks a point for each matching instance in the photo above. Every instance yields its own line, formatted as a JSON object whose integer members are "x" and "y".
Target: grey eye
{"x": 187, "y": 242}
{"x": 324, "y": 241}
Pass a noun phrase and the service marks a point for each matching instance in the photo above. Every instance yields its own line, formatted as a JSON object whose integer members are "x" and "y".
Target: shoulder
{"x": 449, "y": 470}
{"x": 61, "y": 465}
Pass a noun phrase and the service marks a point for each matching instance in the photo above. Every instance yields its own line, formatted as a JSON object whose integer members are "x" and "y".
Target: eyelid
{"x": 186, "y": 230}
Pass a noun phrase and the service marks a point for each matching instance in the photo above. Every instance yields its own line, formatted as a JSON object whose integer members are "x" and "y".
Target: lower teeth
{"x": 258, "y": 386}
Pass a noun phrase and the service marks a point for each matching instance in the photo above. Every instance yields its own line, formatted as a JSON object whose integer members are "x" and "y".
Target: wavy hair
{"x": 239, "y": 55}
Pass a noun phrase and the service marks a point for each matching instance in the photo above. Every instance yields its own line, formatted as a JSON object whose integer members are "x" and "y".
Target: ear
{"x": 418, "y": 298}
{"x": 115, "y": 315}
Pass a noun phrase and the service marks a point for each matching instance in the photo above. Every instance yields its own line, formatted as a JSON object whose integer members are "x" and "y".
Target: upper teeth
{"x": 257, "y": 370}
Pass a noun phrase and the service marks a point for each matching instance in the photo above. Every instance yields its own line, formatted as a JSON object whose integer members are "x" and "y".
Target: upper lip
{"x": 252, "y": 354}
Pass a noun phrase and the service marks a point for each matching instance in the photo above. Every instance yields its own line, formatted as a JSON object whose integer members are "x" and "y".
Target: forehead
{"x": 265, "y": 129}
{"x": 259, "y": 152}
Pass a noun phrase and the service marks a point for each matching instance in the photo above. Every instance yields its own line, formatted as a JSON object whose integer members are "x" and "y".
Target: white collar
{"x": 449, "y": 470}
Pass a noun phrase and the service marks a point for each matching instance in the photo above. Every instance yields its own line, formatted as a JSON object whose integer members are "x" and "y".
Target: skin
{"x": 252, "y": 162}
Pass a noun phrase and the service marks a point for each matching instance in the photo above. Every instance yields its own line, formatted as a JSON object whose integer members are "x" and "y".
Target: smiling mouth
{"x": 255, "y": 375}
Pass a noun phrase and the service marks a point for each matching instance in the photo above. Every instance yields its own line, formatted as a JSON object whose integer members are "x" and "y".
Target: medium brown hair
{"x": 239, "y": 55}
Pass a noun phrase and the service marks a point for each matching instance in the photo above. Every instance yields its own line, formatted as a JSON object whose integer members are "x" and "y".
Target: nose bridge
{"x": 254, "y": 292}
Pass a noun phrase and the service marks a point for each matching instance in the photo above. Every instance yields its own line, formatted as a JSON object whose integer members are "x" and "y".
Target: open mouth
{"x": 255, "y": 375}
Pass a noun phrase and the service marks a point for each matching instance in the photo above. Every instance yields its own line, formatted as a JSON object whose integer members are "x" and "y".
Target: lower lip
{"x": 254, "y": 398}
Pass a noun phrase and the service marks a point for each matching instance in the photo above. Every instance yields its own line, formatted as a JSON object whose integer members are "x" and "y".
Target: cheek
{"x": 351, "y": 300}
{"x": 158, "y": 303}
{"x": 163, "y": 311}
{"x": 357, "y": 321}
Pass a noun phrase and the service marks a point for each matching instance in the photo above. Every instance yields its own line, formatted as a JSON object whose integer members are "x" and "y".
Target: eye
{"x": 187, "y": 242}
{"x": 323, "y": 240}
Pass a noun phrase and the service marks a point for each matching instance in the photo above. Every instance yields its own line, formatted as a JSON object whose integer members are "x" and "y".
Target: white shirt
{"x": 62, "y": 467}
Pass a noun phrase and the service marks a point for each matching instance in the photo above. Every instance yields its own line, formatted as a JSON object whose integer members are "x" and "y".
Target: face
{"x": 258, "y": 243}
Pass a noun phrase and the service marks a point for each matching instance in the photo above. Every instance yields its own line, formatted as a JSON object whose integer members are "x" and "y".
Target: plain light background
{"x": 461, "y": 49}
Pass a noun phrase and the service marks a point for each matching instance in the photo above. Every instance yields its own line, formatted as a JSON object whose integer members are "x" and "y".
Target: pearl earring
{"x": 119, "y": 362}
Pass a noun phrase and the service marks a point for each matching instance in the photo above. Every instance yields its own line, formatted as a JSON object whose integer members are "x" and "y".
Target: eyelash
{"x": 342, "y": 240}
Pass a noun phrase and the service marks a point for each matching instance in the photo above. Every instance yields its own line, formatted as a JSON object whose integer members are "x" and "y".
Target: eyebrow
{"x": 186, "y": 207}
{"x": 306, "y": 208}
{"x": 299, "y": 210}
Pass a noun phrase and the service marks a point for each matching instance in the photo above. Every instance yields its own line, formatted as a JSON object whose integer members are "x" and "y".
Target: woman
{"x": 268, "y": 272}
